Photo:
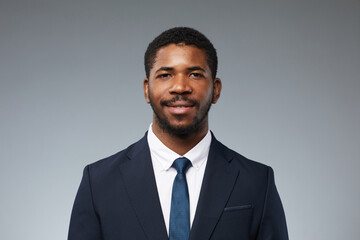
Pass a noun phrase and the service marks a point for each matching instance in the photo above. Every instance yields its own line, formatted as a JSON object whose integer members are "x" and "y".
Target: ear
{"x": 217, "y": 90}
{"x": 146, "y": 90}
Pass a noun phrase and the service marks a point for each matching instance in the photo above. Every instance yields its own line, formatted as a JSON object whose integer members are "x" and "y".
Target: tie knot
{"x": 181, "y": 165}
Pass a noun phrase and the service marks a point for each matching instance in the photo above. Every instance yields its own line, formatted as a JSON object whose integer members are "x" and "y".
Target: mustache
{"x": 179, "y": 98}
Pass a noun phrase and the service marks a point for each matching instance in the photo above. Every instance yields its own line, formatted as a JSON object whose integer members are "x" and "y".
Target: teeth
{"x": 179, "y": 106}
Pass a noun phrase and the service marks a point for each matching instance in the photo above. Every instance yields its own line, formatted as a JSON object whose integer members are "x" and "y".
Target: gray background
{"x": 71, "y": 93}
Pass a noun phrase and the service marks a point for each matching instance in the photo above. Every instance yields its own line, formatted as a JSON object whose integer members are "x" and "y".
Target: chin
{"x": 180, "y": 129}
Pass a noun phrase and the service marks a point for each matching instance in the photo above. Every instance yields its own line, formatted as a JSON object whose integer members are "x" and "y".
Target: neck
{"x": 181, "y": 144}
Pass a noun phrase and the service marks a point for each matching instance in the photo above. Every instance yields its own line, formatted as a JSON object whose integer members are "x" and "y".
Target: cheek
{"x": 208, "y": 93}
{"x": 158, "y": 88}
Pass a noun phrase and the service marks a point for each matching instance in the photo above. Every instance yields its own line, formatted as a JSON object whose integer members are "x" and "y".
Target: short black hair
{"x": 186, "y": 35}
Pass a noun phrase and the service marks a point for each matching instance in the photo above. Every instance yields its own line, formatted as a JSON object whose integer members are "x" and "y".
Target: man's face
{"x": 180, "y": 89}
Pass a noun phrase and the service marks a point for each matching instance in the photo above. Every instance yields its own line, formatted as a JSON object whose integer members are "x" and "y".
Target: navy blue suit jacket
{"x": 118, "y": 199}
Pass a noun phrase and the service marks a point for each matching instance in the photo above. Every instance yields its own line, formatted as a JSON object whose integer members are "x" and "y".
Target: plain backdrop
{"x": 71, "y": 93}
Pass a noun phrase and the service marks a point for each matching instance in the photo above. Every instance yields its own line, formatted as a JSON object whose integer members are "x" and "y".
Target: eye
{"x": 164, "y": 76}
{"x": 196, "y": 75}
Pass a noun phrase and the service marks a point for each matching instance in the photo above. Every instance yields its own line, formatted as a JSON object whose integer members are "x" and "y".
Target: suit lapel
{"x": 139, "y": 180}
{"x": 217, "y": 186}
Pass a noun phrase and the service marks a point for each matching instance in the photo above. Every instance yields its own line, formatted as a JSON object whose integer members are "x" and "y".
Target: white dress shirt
{"x": 162, "y": 159}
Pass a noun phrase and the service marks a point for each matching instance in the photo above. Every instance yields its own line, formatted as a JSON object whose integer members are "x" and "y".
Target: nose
{"x": 180, "y": 85}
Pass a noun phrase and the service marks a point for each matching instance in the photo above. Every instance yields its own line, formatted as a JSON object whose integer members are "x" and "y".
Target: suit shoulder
{"x": 108, "y": 164}
{"x": 110, "y": 160}
{"x": 248, "y": 163}
{"x": 243, "y": 162}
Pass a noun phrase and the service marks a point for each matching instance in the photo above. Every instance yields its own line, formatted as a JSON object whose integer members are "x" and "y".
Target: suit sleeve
{"x": 273, "y": 223}
{"x": 84, "y": 222}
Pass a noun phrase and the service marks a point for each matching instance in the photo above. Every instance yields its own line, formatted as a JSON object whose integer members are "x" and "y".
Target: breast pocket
{"x": 238, "y": 208}
{"x": 234, "y": 223}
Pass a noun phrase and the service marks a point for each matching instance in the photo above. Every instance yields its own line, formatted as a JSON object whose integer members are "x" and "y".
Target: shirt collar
{"x": 165, "y": 156}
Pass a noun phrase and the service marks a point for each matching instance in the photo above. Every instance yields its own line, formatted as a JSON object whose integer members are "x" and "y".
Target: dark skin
{"x": 180, "y": 88}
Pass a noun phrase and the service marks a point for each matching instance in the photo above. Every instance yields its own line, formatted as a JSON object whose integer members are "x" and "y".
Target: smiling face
{"x": 181, "y": 90}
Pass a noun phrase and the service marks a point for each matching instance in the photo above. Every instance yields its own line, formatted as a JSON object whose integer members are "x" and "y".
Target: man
{"x": 178, "y": 181}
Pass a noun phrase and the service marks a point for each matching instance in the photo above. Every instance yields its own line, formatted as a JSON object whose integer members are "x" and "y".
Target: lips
{"x": 180, "y": 107}
{"x": 180, "y": 104}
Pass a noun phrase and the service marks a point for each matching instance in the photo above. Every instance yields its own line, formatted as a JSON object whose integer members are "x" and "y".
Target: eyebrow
{"x": 165, "y": 69}
{"x": 193, "y": 68}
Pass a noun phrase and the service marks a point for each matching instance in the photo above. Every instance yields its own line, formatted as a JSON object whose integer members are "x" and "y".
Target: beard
{"x": 197, "y": 123}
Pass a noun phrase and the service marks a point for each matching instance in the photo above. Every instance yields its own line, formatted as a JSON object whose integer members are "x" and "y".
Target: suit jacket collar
{"x": 219, "y": 179}
{"x": 139, "y": 180}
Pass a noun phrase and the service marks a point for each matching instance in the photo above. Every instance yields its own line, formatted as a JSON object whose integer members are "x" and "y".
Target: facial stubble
{"x": 198, "y": 121}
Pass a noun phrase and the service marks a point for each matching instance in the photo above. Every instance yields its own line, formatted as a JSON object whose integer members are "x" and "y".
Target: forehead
{"x": 180, "y": 54}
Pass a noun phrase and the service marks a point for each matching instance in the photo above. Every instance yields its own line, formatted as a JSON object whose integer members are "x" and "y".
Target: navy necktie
{"x": 180, "y": 214}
